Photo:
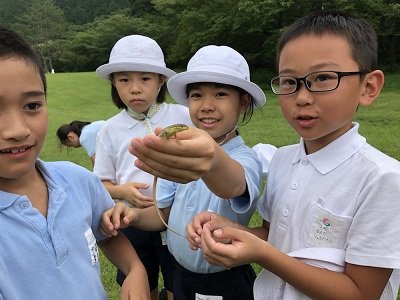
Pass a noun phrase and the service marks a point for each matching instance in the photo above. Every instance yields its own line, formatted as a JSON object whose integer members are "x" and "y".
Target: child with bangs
{"x": 137, "y": 73}
{"x": 217, "y": 89}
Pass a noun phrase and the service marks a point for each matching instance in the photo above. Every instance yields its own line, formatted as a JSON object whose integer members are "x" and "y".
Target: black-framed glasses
{"x": 321, "y": 81}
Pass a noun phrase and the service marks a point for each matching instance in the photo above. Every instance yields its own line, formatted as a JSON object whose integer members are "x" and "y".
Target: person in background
{"x": 217, "y": 89}
{"x": 49, "y": 211}
{"x": 80, "y": 134}
{"x": 137, "y": 74}
{"x": 331, "y": 228}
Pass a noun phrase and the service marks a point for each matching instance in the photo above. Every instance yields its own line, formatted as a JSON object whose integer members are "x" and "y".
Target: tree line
{"x": 77, "y": 35}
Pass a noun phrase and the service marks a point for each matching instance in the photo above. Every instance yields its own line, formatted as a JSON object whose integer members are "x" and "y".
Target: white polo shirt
{"x": 114, "y": 162}
{"x": 345, "y": 197}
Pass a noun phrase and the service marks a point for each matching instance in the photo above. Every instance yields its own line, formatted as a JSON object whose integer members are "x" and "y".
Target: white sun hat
{"x": 218, "y": 64}
{"x": 135, "y": 53}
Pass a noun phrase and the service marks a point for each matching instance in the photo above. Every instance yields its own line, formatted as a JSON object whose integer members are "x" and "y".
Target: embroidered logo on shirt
{"x": 92, "y": 245}
{"x": 326, "y": 222}
{"x": 327, "y": 229}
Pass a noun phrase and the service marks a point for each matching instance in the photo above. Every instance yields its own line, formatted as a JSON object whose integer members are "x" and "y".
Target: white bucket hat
{"x": 135, "y": 53}
{"x": 219, "y": 64}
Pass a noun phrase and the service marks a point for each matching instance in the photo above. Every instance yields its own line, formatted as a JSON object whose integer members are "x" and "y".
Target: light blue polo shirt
{"x": 57, "y": 257}
{"x": 88, "y": 136}
{"x": 187, "y": 200}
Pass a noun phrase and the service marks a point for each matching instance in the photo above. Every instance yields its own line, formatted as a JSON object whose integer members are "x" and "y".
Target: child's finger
{"x": 117, "y": 214}
{"x": 199, "y": 220}
{"x": 106, "y": 220}
{"x": 107, "y": 232}
{"x": 192, "y": 237}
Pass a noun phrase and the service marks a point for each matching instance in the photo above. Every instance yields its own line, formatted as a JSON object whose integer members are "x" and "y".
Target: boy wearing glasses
{"x": 331, "y": 204}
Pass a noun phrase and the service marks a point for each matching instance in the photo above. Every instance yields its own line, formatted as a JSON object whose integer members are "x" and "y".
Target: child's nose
{"x": 303, "y": 95}
{"x": 207, "y": 104}
{"x": 135, "y": 87}
{"x": 14, "y": 126}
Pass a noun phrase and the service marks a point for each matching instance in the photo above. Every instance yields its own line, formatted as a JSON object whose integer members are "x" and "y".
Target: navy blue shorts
{"x": 234, "y": 284}
{"x": 153, "y": 255}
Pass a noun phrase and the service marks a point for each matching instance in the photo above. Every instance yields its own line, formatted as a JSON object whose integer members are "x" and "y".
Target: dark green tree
{"x": 44, "y": 26}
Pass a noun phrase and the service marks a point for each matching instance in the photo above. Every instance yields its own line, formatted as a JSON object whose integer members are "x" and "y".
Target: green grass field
{"x": 83, "y": 96}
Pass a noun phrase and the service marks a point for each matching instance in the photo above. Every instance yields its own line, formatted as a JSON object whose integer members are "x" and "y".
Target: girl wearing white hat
{"x": 217, "y": 89}
{"x": 137, "y": 72}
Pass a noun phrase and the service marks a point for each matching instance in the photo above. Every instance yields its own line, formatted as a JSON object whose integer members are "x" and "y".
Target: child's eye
{"x": 323, "y": 77}
{"x": 287, "y": 81}
{"x": 123, "y": 80}
{"x": 194, "y": 95}
{"x": 222, "y": 94}
{"x": 145, "y": 78}
{"x": 33, "y": 106}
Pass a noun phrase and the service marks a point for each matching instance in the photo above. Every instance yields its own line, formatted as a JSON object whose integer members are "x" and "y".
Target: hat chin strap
{"x": 228, "y": 134}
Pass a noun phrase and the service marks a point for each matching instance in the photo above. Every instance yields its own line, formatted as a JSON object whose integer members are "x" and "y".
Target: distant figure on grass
{"x": 50, "y": 212}
{"x": 80, "y": 134}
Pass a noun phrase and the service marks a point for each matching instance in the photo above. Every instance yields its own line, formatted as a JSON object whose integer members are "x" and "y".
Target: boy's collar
{"x": 335, "y": 153}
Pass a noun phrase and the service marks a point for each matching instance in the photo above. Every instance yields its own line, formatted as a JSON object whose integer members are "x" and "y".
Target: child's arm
{"x": 121, "y": 216}
{"x": 129, "y": 192}
{"x": 120, "y": 252}
{"x": 196, "y": 155}
{"x": 357, "y": 282}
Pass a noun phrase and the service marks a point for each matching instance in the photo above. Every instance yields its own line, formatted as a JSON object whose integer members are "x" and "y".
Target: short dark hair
{"x": 250, "y": 108}
{"x": 121, "y": 105}
{"x": 12, "y": 45}
{"x": 74, "y": 126}
{"x": 357, "y": 31}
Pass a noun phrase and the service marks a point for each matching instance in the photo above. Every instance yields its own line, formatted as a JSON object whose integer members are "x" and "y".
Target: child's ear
{"x": 161, "y": 80}
{"x": 245, "y": 101}
{"x": 372, "y": 86}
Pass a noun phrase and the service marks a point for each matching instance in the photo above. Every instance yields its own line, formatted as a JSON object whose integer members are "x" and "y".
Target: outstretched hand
{"x": 183, "y": 158}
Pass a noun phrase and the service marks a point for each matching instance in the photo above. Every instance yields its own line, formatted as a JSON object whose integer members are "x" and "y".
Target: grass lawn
{"x": 83, "y": 96}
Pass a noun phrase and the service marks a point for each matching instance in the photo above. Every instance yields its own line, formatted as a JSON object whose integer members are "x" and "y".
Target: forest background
{"x": 77, "y": 35}
{"x": 74, "y": 37}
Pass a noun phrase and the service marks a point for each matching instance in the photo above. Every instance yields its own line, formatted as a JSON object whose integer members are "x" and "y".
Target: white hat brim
{"x": 177, "y": 85}
{"x": 105, "y": 70}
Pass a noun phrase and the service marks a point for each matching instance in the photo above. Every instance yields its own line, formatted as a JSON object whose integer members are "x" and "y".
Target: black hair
{"x": 121, "y": 105}
{"x": 358, "y": 32}
{"x": 12, "y": 45}
{"x": 250, "y": 108}
{"x": 74, "y": 126}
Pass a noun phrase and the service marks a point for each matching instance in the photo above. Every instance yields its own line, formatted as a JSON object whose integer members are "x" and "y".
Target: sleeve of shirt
{"x": 101, "y": 201}
{"x": 253, "y": 175}
{"x": 88, "y": 140}
{"x": 165, "y": 192}
{"x": 104, "y": 166}
{"x": 264, "y": 153}
{"x": 374, "y": 233}
{"x": 266, "y": 200}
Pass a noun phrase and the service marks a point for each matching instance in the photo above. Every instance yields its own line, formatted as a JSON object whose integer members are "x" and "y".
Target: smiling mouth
{"x": 15, "y": 150}
{"x": 209, "y": 120}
